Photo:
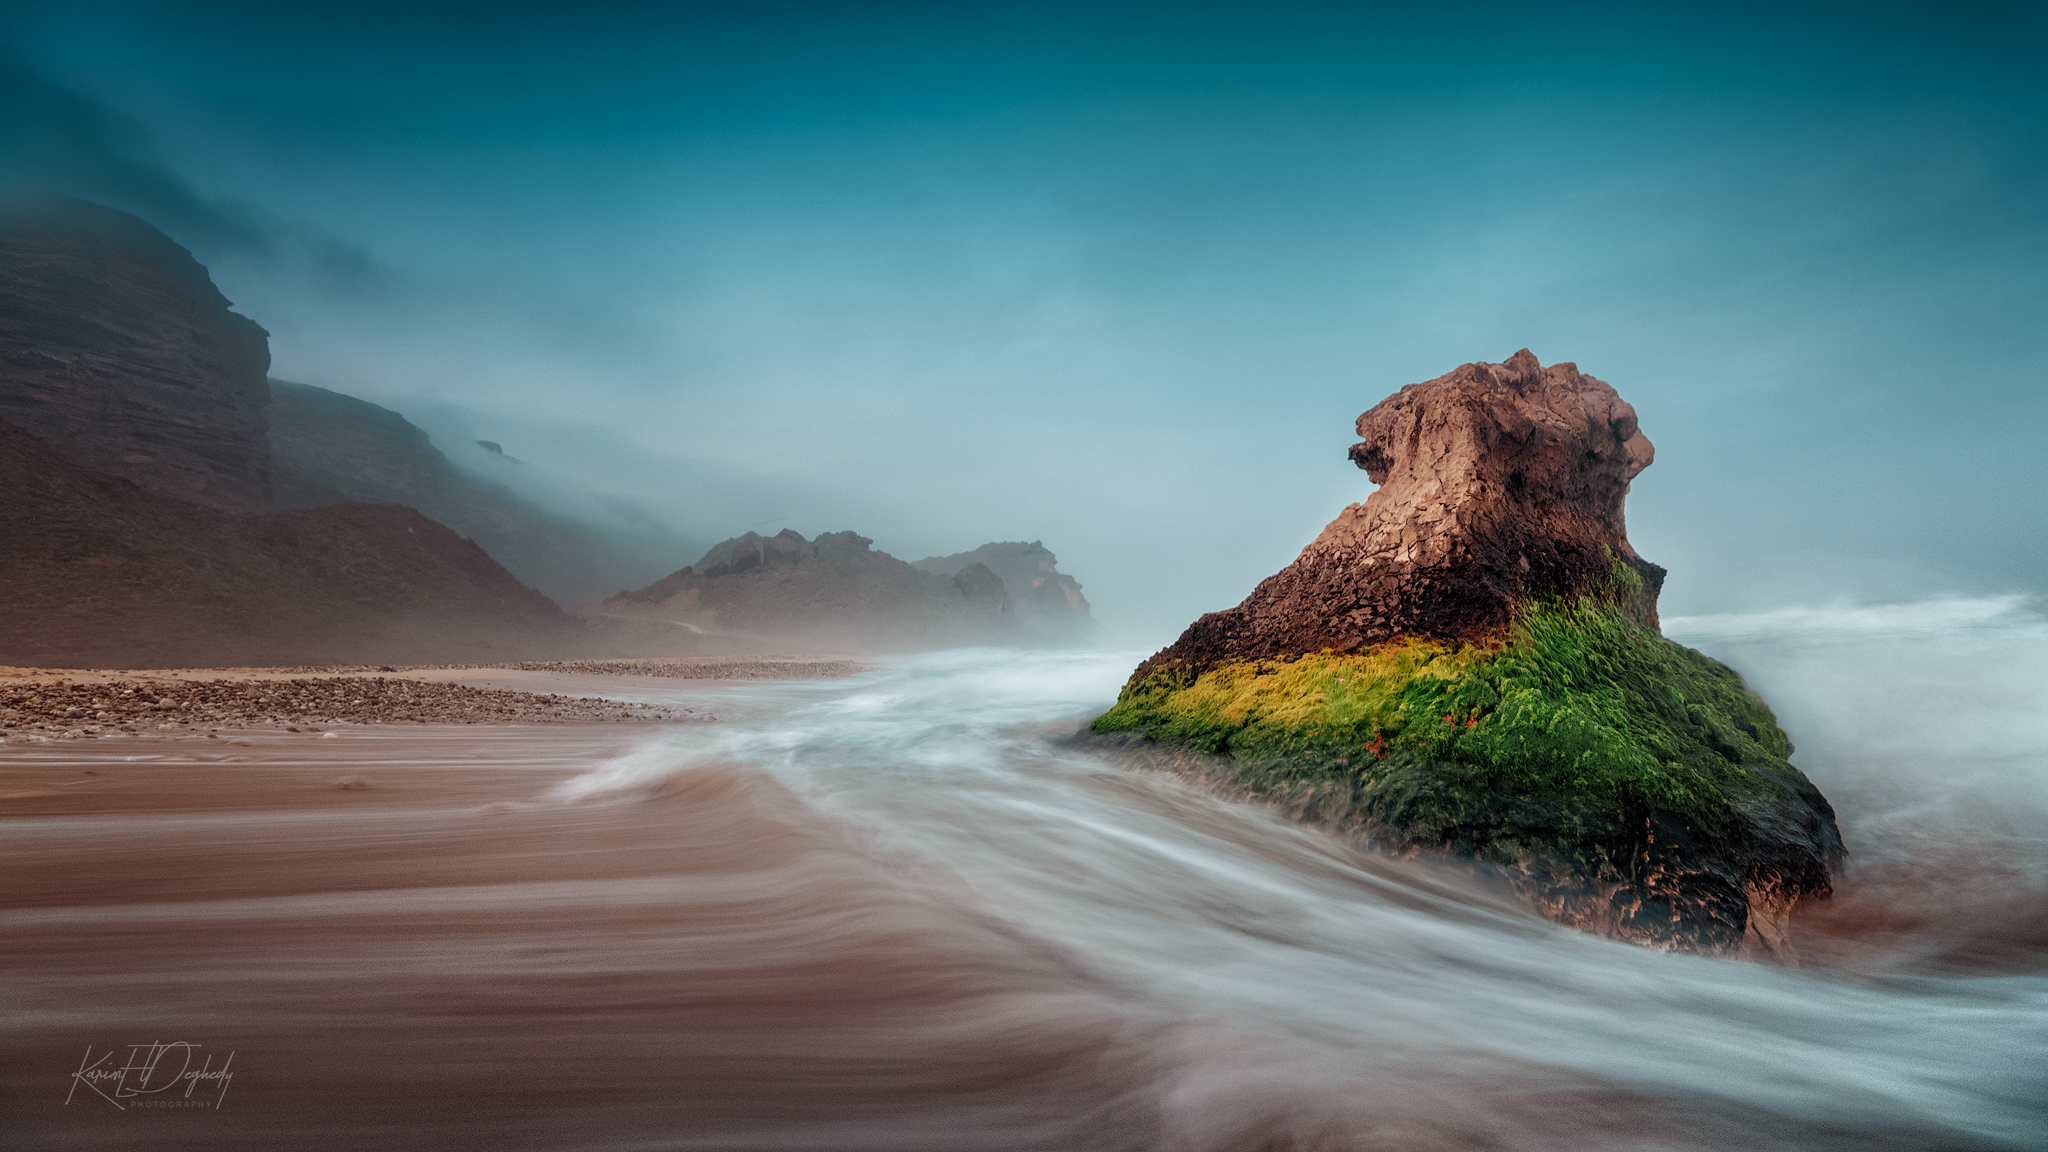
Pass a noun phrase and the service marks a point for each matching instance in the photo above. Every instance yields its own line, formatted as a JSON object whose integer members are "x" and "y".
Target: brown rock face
{"x": 116, "y": 349}
{"x": 1498, "y": 483}
{"x": 99, "y": 573}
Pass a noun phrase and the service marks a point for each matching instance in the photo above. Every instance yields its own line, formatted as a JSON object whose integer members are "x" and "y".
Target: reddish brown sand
{"x": 404, "y": 945}
{"x": 394, "y": 941}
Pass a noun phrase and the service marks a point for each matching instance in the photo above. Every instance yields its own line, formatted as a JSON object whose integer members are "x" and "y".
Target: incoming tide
{"x": 904, "y": 911}
{"x": 1274, "y": 987}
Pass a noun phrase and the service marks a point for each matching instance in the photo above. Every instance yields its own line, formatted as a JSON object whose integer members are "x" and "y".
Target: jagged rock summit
{"x": 1469, "y": 663}
{"x": 1498, "y": 483}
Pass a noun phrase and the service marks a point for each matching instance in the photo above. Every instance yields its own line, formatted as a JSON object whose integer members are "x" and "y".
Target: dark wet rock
{"x": 287, "y": 703}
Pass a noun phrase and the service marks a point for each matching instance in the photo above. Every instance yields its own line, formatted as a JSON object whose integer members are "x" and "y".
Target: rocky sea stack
{"x": 1470, "y": 662}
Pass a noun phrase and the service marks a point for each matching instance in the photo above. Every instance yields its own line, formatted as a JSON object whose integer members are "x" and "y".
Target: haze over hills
{"x": 99, "y": 572}
{"x": 117, "y": 350}
{"x": 167, "y": 502}
{"x": 332, "y": 448}
{"x": 1047, "y": 602}
{"x": 836, "y": 591}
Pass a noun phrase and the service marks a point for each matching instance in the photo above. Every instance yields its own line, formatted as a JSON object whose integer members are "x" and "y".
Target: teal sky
{"x": 1121, "y": 277}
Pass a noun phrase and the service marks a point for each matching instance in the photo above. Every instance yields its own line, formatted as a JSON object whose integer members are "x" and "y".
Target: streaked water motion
{"x": 902, "y": 911}
{"x": 1927, "y": 724}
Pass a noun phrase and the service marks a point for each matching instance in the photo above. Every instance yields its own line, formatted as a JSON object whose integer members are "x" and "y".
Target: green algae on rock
{"x": 1629, "y": 785}
{"x": 1634, "y": 785}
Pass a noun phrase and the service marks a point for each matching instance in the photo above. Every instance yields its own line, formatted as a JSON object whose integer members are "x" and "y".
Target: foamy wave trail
{"x": 1924, "y": 720}
{"x": 1303, "y": 994}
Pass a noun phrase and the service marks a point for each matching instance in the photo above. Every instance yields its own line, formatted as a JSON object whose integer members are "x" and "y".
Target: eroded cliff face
{"x": 1499, "y": 483}
{"x": 836, "y": 591}
{"x": 117, "y": 350}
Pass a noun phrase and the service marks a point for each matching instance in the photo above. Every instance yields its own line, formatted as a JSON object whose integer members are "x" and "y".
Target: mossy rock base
{"x": 1628, "y": 785}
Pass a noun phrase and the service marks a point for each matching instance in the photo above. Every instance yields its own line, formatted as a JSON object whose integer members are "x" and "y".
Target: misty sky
{"x": 1121, "y": 277}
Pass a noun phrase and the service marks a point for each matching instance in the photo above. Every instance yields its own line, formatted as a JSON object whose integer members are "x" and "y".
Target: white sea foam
{"x": 1922, "y": 720}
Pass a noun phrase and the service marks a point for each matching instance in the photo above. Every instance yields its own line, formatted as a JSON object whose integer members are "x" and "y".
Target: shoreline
{"x": 278, "y": 773}
{"x": 375, "y": 960}
{"x": 747, "y": 667}
{"x": 44, "y": 704}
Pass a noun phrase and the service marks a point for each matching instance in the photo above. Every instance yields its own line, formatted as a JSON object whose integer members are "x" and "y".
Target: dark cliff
{"x": 116, "y": 349}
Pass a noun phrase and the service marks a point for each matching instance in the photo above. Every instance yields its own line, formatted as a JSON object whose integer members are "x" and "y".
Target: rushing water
{"x": 1297, "y": 992}
{"x": 903, "y": 912}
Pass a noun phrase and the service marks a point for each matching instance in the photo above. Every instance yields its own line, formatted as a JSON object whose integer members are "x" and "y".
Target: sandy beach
{"x": 396, "y": 938}
{"x": 400, "y": 939}
{"x": 398, "y": 935}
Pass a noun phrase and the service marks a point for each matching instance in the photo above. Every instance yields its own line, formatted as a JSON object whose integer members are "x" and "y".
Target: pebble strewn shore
{"x": 74, "y": 710}
{"x": 675, "y": 667}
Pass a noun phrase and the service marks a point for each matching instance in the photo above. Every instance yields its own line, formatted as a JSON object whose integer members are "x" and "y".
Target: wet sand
{"x": 404, "y": 942}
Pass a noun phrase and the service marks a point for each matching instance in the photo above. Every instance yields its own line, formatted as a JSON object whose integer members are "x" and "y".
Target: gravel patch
{"x": 66, "y": 710}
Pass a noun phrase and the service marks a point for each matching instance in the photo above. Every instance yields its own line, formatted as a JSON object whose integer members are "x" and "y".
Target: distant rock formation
{"x": 832, "y": 592}
{"x": 98, "y": 572}
{"x": 332, "y": 448}
{"x": 1048, "y": 603}
{"x": 1499, "y": 483}
{"x": 116, "y": 349}
{"x": 1469, "y": 663}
